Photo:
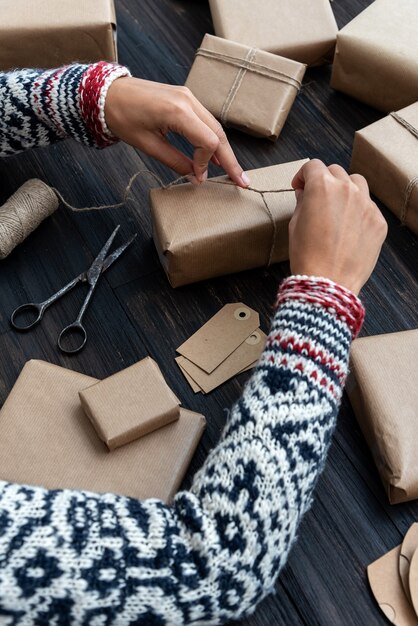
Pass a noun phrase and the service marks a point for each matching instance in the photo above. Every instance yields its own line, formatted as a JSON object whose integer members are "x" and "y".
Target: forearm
{"x": 40, "y": 107}
{"x": 218, "y": 550}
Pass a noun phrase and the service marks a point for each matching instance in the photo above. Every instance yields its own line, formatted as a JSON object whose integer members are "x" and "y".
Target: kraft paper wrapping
{"x": 48, "y": 34}
{"x": 211, "y": 230}
{"x": 383, "y": 390}
{"x": 376, "y": 58}
{"x": 130, "y": 404}
{"x": 304, "y": 30}
{"x": 255, "y": 90}
{"x": 386, "y": 153}
{"x": 47, "y": 440}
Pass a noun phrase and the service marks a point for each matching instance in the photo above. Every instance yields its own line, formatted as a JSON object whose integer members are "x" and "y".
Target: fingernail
{"x": 204, "y": 176}
{"x": 245, "y": 179}
{"x": 192, "y": 179}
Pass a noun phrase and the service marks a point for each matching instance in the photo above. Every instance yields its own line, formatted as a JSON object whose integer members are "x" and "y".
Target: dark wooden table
{"x": 135, "y": 312}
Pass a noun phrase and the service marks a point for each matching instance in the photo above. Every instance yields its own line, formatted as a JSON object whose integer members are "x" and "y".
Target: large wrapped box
{"x": 255, "y": 90}
{"x": 376, "y": 57}
{"x": 383, "y": 390}
{"x": 50, "y": 33}
{"x": 46, "y": 439}
{"x": 303, "y": 30}
{"x": 218, "y": 228}
{"x": 386, "y": 154}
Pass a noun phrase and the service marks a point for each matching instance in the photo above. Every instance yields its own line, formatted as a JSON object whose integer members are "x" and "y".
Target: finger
{"x": 160, "y": 148}
{"x": 216, "y": 161}
{"x": 308, "y": 171}
{"x": 203, "y": 139}
{"x": 360, "y": 182}
{"x": 338, "y": 172}
{"x": 224, "y": 153}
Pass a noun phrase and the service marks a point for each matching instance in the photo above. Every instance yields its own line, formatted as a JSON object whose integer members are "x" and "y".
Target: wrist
{"x": 325, "y": 293}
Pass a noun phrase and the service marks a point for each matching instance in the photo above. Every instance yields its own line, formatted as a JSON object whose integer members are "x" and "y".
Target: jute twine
{"x": 35, "y": 200}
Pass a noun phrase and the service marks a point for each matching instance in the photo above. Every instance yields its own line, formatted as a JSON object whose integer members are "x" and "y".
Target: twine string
{"x": 35, "y": 200}
{"x": 414, "y": 181}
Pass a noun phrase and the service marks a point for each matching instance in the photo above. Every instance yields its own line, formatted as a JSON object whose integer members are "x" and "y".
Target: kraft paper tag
{"x": 413, "y": 581}
{"x": 220, "y": 336}
{"x": 244, "y": 356}
{"x": 187, "y": 376}
{"x": 386, "y": 586}
{"x": 409, "y": 546}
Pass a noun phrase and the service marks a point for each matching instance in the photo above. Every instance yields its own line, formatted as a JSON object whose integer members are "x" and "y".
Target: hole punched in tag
{"x": 242, "y": 313}
{"x": 253, "y": 339}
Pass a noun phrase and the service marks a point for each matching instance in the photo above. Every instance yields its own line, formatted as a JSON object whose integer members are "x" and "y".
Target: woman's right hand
{"x": 336, "y": 231}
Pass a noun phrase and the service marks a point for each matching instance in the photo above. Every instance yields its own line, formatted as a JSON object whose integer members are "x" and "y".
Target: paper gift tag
{"x": 245, "y": 355}
{"x": 409, "y": 545}
{"x": 386, "y": 586}
{"x": 220, "y": 336}
{"x": 413, "y": 581}
{"x": 187, "y": 376}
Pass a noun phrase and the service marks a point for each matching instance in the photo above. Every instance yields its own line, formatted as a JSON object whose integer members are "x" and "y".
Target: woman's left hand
{"x": 142, "y": 112}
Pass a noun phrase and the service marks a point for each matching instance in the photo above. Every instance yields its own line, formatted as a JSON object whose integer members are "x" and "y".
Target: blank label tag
{"x": 244, "y": 356}
{"x": 220, "y": 336}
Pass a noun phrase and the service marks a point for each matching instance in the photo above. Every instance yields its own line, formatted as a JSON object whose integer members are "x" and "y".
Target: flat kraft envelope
{"x": 409, "y": 546}
{"x": 47, "y": 440}
{"x": 387, "y": 589}
{"x": 244, "y": 356}
{"x": 220, "y": 336}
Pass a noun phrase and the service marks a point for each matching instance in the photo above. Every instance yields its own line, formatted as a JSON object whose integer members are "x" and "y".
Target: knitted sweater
{"x": 77, "y": 558}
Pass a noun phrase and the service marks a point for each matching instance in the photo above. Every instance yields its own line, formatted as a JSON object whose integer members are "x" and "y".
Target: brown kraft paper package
{"x": 130, "y": 404}
{"x": 211, "y": 230}
{"x": 376, "y": 57}
{"x": 386, "y": 154}
{"x": 383, "y": 391}
{"x": 47, "y": 440}
{"x": 304, "y": 30}
{"x": 50, "y": 33}
{"x": 255, "y": 90}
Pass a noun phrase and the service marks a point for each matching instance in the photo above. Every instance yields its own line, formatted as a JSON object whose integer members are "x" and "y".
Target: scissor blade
{"x": 97, "y": 265}
{"x": 116, "y": 254}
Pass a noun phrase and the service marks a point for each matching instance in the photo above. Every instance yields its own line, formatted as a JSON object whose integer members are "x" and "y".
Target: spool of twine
{"x": 23, "y": 212}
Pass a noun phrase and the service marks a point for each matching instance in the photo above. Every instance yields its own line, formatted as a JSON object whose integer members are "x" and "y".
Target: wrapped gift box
{"x": 50, "y": 33}
{"x": 254, "y": 91}
{"x": 47, "y": 440}
{"x": 386, "y": 154}
{"x": 303, "y": 30}
{"x": 214, "y": 229}
{"x": 376, "y": 58}
{"x": 130, "y": 404}
{"x": 383, "y": 389}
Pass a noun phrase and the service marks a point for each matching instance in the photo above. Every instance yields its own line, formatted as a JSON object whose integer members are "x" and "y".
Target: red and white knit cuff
{"x": 325, "y": 293}
{"x": 92, "y": 97}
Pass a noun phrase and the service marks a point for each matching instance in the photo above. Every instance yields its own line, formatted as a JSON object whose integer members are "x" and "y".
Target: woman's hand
{"x": 337, "y": 231}
{"x": 142, "y": 112}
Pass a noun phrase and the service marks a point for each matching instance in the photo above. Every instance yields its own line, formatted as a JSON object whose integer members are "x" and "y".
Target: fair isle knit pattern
{"x": 72, "y": 558}
{"x": 39, "y": 107}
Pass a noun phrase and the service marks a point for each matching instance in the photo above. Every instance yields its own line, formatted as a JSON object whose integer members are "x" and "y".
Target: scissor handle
{"x": 37, "y": 309}
{"x": 76, "y": 329}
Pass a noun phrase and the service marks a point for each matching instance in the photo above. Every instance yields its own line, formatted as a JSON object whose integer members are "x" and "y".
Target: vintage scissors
{"x": 75, "y": 330}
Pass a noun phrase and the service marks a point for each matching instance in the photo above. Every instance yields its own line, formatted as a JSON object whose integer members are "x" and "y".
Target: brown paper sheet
{"x": 304, "y": 30}
{"x": 409, "y": 546}
{"x": 387, "y": 589}
{"x": 244, "y": 356}
{"x": 383, "y": 390}
{"x": 386, "y": 154}
{"x": 220, "y": 336}
{"x": 210, "y": 230}
{"x": 413, "y": 581}
{"x": 255, "y": 90}
{"x": 47, "y": 440}
{"x": 48, "y": 34}
{"x": 376, "y": 58}
{"x": 130, "y": 404}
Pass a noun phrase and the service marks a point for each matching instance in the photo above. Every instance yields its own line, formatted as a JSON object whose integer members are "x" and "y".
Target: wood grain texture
{"x": 135, "y": 312}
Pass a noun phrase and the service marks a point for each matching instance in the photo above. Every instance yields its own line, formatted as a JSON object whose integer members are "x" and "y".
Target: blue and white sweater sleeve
{"x": 75, "y": 558}
{"x": 40, "y": 107}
